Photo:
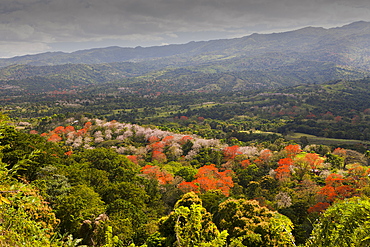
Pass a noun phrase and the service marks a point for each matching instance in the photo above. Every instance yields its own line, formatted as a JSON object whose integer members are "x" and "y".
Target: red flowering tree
{"x": 245, "y": 163}
{"x": 340, "y": 152}
{"x": 167, "y": 139}
{"x": 283, "y": 170}
{"x": 87, "y": 125}
{"x": 69, "y": 129}
{"x": 336, "y": 187}
{"x": 231, "y": 152}
{"x": 185, "y": 139}
{"x": 157, "y": 146}
{"x": 292, "y": 150}
{"x": 153, "y": 139}
{"x": 133, "y": 158}
{"x": 188, "y": 187}
{"x": 209, "y": 178}
{"x": 54, "y": 138}
{"x": 319, "y": 207}
{"x": 157, "y": 173}
{"x": 159, "y": 156}
{"x": 81, "y": 132}
{"x": 358, "y": 176}
{"x": 314, "y": 160}
{"x": 59, "y": 130}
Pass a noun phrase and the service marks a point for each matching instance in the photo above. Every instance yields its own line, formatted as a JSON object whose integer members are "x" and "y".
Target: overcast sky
{"x": 35, "y": 26}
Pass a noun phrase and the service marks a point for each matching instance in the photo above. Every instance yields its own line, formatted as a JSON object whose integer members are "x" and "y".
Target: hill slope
{"x": 347, "y": 45}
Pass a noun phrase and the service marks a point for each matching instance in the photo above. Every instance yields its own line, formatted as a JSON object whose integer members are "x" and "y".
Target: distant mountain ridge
{"x": 305, "y": 56}
{"x": 342, "y": 41}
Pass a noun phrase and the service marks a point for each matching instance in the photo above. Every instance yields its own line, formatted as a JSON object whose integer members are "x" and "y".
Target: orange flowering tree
{"x": 159, "y": 156}
{"x": 292, "y": 150}
{"x": 283, "y": 170}
{"x": 337, "y": 187}
{"x": 133, "y": 158}
{"x": 265, "y": 155}
{"x": 157, "y": 173}
{"x": 231, "y": 152}
{"x": 314, "y": 160}
{"x": 54, "y": 138}
{"x": 209, "y": 178}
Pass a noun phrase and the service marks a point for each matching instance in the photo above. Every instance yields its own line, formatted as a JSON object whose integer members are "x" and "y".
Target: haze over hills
{"x": 347, "y": 45}
{"x": 308, "y": 55}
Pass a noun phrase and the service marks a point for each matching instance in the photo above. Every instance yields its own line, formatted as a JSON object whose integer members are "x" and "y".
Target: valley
{"x": 255, "y": 141}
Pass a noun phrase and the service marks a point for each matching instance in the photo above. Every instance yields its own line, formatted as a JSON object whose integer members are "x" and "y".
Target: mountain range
{"x": 308, "y": 55}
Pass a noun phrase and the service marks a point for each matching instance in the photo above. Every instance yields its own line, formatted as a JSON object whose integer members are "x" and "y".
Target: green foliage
{"x": 127, "y": 220}
{"x": 335, "y": 160}
{"x": 25, "y": 218}
{"x": 211, "y": 199}
{"x": 29, "y": 152}
{"x": 82, "y": 203}
{"x": 190, "y": 225}
{"x": 187, "y": 172}
{"x": 111, "y": 241}
{"x": 346, "y": 223}
{"x": 89, "y": 182}
{"x": 249, "y": 224}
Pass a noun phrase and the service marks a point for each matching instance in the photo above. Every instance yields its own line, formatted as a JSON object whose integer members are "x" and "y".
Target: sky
{"x": 37, "y": 26}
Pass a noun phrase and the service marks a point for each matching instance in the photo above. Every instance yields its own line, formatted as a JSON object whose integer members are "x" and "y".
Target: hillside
{"x": 347, "y": 45}
{"x": 105, "y": 183}
{"x": 258, "y": 61}
{"x": 314, "y": 109}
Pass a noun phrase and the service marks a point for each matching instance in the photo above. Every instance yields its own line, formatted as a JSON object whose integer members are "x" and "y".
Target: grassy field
{"x": 322, "y": 140}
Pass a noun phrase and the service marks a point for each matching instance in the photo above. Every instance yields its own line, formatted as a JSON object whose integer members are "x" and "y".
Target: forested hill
{"x": 91, "y": 182}
{"x": 259, "y": 61}
{"x": 347, "y": 45}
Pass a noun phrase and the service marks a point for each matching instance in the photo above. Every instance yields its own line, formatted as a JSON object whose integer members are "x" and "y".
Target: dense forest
{"x": 106, "y": 183}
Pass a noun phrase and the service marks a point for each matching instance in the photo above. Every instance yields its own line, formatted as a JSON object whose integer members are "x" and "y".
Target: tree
{"x": 337, "y": 187}
{"x": 249, "y": 224}
{"x": 231, "y": 152}
{"x": 25, "y": 217}
{"x": 83, "y": 203}
{"x": 209, "y": 178}
{"x": 29, "y": 152}
{"x": 345, "y": 223}
{"x": 314, "y": 160}
{"x": 155, "y": 172}
{"x": 283, "y": 170}
{"x": 190, "y": 225}
{"x": 335, "y": 160}
{"x": 292, "y": 150}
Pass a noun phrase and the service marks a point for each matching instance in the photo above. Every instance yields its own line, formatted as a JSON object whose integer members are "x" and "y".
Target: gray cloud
{"x": 39, "y": 25}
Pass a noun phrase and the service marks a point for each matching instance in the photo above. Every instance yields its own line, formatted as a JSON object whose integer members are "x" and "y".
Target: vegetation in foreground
{"x": 107, "y": 183}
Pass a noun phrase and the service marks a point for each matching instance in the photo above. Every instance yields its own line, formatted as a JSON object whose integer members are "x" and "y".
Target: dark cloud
{"x": 29, "y": 26}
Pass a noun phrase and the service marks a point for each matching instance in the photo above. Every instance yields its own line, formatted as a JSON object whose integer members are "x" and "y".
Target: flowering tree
{"x": 157, "y": 173}
{"x": 314, "y": 160}
{"x": 292, "y": 150}
{"x": 159, "y": 156}
{"x": 54, "y": 138}
{"x": 209, "y": 178}
{"x": 283, "y": 170}
{"x": 231, "y": 152}
{"x": 336, "y": 187}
